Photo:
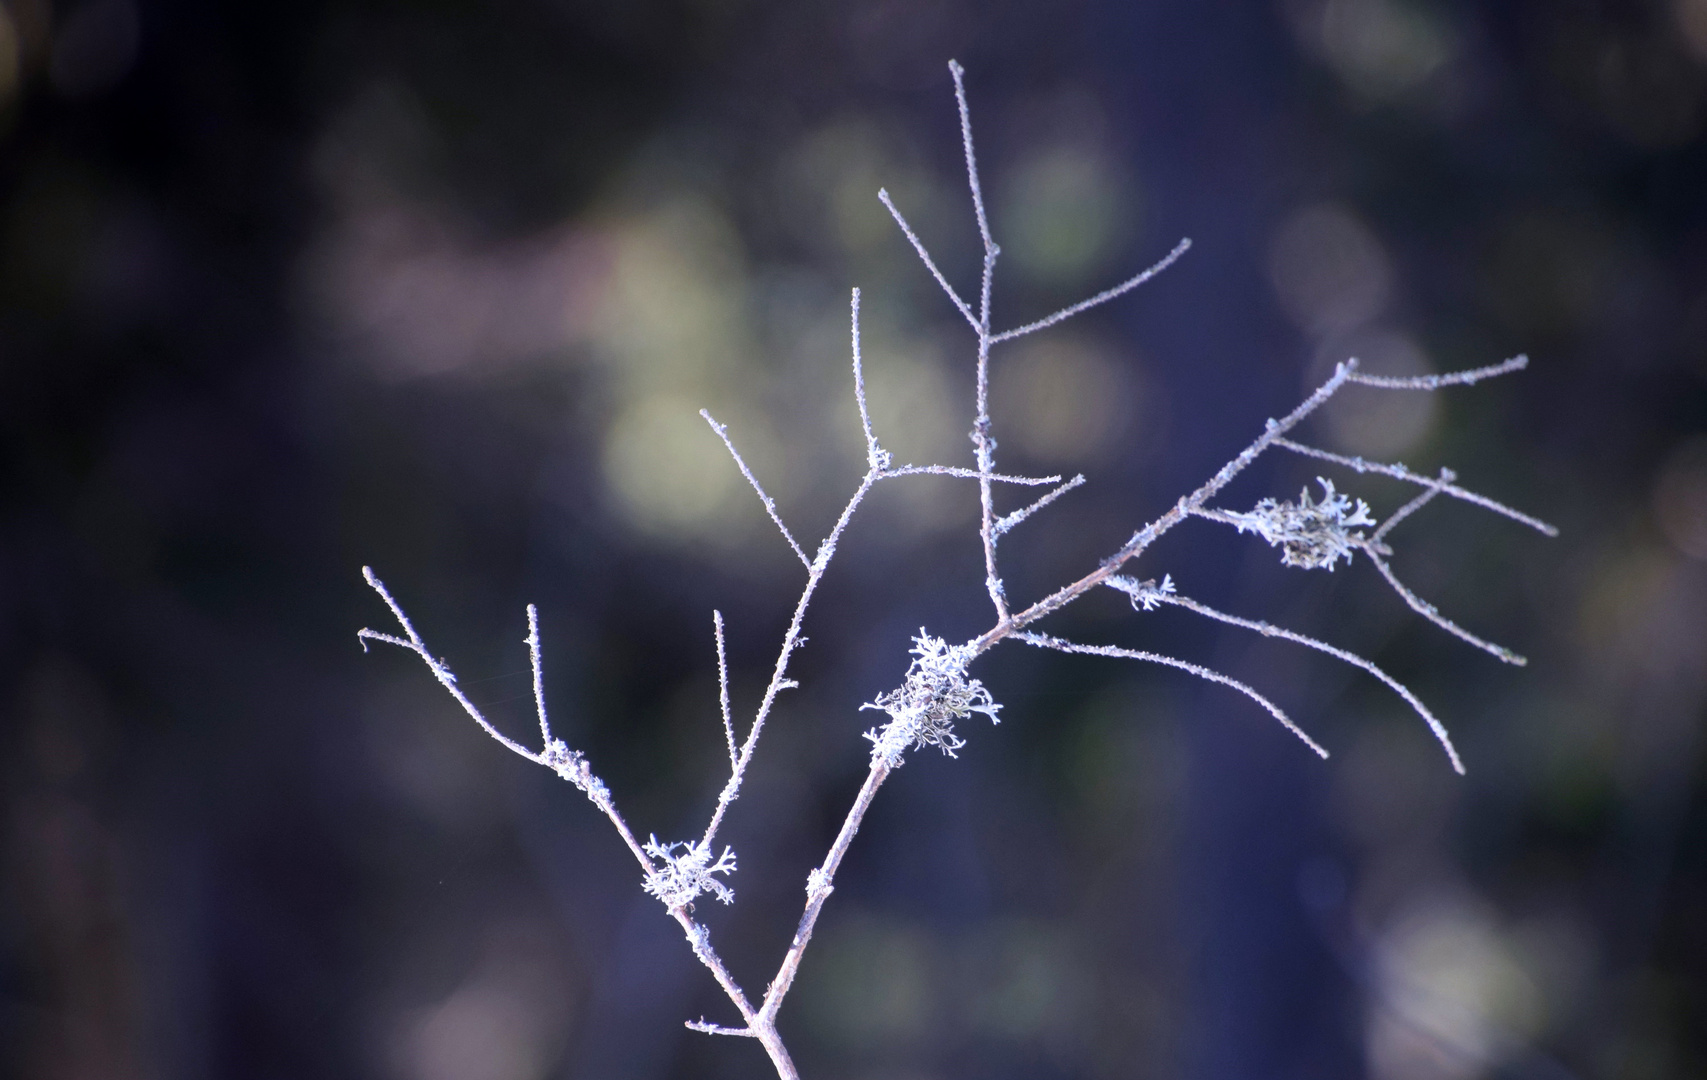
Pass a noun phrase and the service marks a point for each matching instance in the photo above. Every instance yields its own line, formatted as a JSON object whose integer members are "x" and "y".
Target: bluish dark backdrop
{"x": 437, "y": 287}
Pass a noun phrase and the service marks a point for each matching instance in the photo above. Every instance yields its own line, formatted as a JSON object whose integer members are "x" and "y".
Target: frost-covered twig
{"x": 1432, "y": 614}
{"x": 1008, "y": 521}
{"x": 918, "y": 246}
{"x": 967, "y": 474}
{"x": 1267, "y": 629}
{"x": 1400, "y": 472}
{"x": 770, "y": 504}
{"x": 1451, "y": 378}
{"x": 1405, "y": 511}
{"x": 1100, "y": 298}
{"x": 722, "y": 690}
{"x": 1045, "y": 641}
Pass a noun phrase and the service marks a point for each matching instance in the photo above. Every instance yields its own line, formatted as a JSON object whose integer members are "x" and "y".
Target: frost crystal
{"x": 1311, "y": 535}
{"x": 922, "y": 710}
{"x": 1146, "y": 595}
{"x": 682, "y": 877}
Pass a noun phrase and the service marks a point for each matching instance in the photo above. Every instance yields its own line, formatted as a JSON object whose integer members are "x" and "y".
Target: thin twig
{"x": 1405, "y": 511}
{"x": 875, "y": 456}
{"x": 538, "y": 675}
{"x": 791, "y": 640}
{"x": 1008, "y": 521}
{"x": 1399, "y": 472}
{"x": 440, "y": 672}
{"x": 1432, "y": 614}
{"x": 959, "y": 74}
{"x": 1435, "y": 382}
{"x": 1270, "y": 630}
{"x": 770, "y": 505}
{"x": 580, "y": 775}
{"x": 1048, "y": 642}
{"x": 718, "y": 1029}
{"x": 1100, "y": 298}
{"x": 966, "y": 474}
{"x": 925, "y": 256}
{"x": 982, "y": 442}
{"x": 723, "y": 689}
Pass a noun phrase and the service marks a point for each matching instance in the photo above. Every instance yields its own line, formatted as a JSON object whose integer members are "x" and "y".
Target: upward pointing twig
{"x": 1270, "y": 630}
{"x": 1100, "y": 298}
{"x": 770, "y": 504}
{"x": 925, "y": 257}
{"x": 723, "y": 691}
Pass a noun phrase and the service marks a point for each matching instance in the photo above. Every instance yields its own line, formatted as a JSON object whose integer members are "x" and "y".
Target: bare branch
{"x": 1007, "y": 522}
{"x": 1405, "y": 511}
{"x": 723, "y": 689}
{"x": 538, "y": 675}
{"x": 1451, "y": 378}
{"x": 440, "y": 672}
{"x": 791, "y": 640}
{"x": 959, "y": 74}
{"x": 1048, "y": 642}
{"x": 982, "y": 442}
{"x": 918, "y": 246}
{"x": 718, "y": 1029}
{"x": 1399, "y": 472}
{"x": 966, "y": 474}
{"x": 1270, "y": 630}
{"x": 770, "y": 505}
{"x": 875, "y": 455}
{"x": 1100, "y": 298}
{"x": 1432, "y": 614}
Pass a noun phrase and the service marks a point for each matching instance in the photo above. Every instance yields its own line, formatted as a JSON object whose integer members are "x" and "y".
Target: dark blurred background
{"x": 287, "y": 289}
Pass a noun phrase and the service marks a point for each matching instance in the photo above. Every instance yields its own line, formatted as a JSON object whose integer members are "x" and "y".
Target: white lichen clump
{"x": 1313, "y": 535}
{"x": 679, "y": 879}
{"x": 922, "y": 710}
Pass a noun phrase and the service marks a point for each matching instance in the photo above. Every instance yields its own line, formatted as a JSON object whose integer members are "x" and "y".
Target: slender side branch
{"x": 967, "y": 474}
{"x": 1432, "y": 614}
{"x": 770, "y": 504}
{"x": 983, "y": 443}
{"x": 878, "y": 461}
{"x": 440, "y": 672}
{"x": 875, "y": 456}
{"x": 1451, "y": 378}
{"x": 718, "y": 1029}
{"x": 925, "y": 257}
{"x": 1100, "y": 298}
{"x": 1405, "y": 511}
{"x": 1375, "y": 549}
{"x": 571, "y": 765}
{"x": 959, "y": 74}
{"x": 1008, "y": 521}
{"x": 1048, "y": 642}
{"x": 538, "y": 675}
{"x": 723, "y": 690}
{"x": 1399, "y": 472}
{"x": 1270, "y": 630}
